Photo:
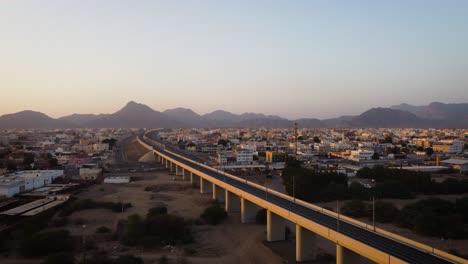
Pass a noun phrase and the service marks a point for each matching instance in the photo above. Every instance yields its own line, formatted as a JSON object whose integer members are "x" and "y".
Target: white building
{"x": 24, "y": 181}
{"x": 101, "y": 147}
{"x": 117, "y": 179}
{"x": 90, "y": 172}
{"x": 4, "y": 141}
{"x": 244, "y": 156}
{"x": 224, "y": 157}
{"x": 357, "y": 155}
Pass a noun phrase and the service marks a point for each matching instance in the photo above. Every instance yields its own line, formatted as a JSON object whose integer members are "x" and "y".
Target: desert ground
{"x": 229, "y": 242}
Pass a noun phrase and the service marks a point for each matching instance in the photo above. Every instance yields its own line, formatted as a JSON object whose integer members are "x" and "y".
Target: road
{"x": 395, "y": 248}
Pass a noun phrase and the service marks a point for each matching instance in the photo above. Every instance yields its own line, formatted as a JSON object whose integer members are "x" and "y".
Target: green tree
{"x": 429, "y": 151}
{"x": 53, "y": 162}
{"x": 45, "y": 243}
{"x": 128, "y": 259}
{"x": 385, "y": 212}
{"x": 356, "y": 208}
{"x": 110, "y": 141}
{"x": 214, "y": 214}
{"x": 375, "y": 156}
{"x": 222, "y": 142}
{"x": 60, "y": 258}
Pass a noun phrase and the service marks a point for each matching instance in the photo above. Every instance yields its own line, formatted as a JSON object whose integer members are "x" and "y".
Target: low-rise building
{"x": 117, "y": 179}
{"x": 23, "y": 181}
{"x": 244, "y": 156}
{"x": 449, "y": 146}
{"x": 358, "y": 155}
{"x": 90, "y": 172}
{"x": 460, "y": 165}
{"x": 273, "y": 156}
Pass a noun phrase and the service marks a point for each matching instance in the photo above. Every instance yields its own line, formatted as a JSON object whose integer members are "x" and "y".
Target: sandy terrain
{"x": 134, "y": 150}
{"x": 229, "y": 242}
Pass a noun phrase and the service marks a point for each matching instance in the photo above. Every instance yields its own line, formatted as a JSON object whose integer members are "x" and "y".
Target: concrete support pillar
{"x": 167, "y": 163}
{"x": 275, "y": 227}
{"x": 248, "y": 211}
{"x": 194, "y": 179}
{"x": 176, "y": 170}
{"x": 205, "y": 186}
{"x": 232, "y": 202}
{"x": 171, "y": 165}
{"x": 218, "y": 193}
{"x": 306, "y": 246}
{"x": 346, "y": 256}
{"x": 183, "y": 174}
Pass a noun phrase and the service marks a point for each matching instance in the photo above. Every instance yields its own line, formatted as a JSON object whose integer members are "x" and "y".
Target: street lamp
{"x": 373, "y": 212}
{"x": 373, "y": 206}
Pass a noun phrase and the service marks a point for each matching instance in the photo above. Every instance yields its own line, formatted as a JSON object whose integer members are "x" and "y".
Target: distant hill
{"x": 386, "y": 117}
{"x": 80, "y": 119}
{"x": 135, "y": 115}
{"x": 188, "y": 117}
{"x": 453, "y": 115}
{"x": 31, "y": 119}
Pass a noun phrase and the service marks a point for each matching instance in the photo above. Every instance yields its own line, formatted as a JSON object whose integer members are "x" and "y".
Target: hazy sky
{"x": 292, "y": 58}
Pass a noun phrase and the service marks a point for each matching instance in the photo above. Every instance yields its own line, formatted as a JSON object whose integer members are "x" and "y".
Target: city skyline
{"x": 293, "y": 59}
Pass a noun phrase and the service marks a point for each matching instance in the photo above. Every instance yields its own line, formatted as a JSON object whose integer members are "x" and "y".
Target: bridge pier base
{"x": 276, "y": 227}
{"x": 346, "y": 256}
{"x": 248, "y": 211}
{"x": 183, "y": 174}
{"x": 205, "y": 186}
{"x": 306, "y": 247}
{"x": 218, "y": 193}
{"x": 194, "y": 179}
{"x": 232, "y": 202}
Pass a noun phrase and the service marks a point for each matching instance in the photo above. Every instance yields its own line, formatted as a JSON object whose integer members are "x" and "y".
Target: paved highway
{"x": 395, "y": 248}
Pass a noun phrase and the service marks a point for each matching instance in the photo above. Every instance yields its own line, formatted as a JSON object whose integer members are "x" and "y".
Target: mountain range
{"x": 135, "y": 115}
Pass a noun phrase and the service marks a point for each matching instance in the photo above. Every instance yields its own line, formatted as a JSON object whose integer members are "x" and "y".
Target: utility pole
{"x": 338, "y": 216}
{"x": 373, "y": 211}
{"x": 295, "y": 156}
{"x": 295, "y": 135}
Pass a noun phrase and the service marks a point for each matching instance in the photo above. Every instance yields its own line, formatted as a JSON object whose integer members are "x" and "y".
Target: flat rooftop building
{"x": 24, "y": 181}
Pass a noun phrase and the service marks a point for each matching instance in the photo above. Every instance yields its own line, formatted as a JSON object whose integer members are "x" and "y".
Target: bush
{"x": 60, "y": 222}
{"x": 163, "y": 259}
{"x": 128, "y": 259}
{"x": 79, "y": 221}
{"x": 355, "y": 208}
{"x": 385, "y": 212}
{"x": 434, "y": 217}
{"x": 43, "y": 244}
{"x": 102, "y": 230}
{"x": 160, "y": 210}
{"x": 79, "y": 205}
{"x": 154, "y": 230}
{"x": 314, "y": 186}
{"x": 214, "y": 214}
{"x": 261, "y": 217}
{"x": 60, "y": 258}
